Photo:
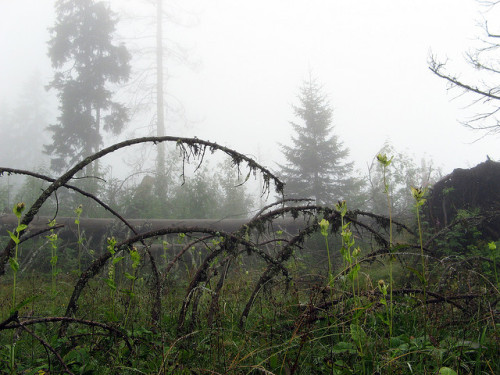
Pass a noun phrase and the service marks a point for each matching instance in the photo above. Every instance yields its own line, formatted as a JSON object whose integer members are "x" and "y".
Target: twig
{"x": 70, "y": 320}
{"x": 47, "y": 346}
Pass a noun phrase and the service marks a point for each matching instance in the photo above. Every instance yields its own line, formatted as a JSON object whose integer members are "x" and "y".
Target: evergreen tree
{"x": 316, "y": 163}
{"x": 86, "y": 61}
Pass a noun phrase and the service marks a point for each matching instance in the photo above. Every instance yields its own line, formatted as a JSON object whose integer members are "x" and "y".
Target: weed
{"x": 492, "y": 247}
{"x": 52, "y": 238}
{"x": 14, "y": 265}
{"x": 295, "y": 323}
{"x": 110, "y": 281}
{"x": 78, "y": 211}
{"x": 324, "y": 225}
{"x": 14, "y": 261}
{"x": 136, "y": 260}
{"x": 385, "y": 162}
{"x": 418, "y": 195}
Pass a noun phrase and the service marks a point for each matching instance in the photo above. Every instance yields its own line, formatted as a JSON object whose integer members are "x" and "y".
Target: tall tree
{"x": 161, "y": 179}
{"x": 149, "y": 83}
{"x": 86, "y": 61}
{"x": 316, "y": 162}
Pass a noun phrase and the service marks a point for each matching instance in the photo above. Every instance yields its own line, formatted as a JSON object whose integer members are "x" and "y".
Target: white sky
{"x": 371, "y": 57}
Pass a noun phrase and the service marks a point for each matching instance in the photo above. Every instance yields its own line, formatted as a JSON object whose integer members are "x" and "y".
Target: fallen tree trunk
{"x": 97, "y": 228}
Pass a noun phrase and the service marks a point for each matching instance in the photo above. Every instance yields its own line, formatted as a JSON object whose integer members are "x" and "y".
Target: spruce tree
{"x": 316, "y": 164}
{"x": 86, "y": 61}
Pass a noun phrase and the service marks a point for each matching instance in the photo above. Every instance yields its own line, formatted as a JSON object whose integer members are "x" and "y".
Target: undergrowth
{"x": 243, "y": 302}
{"x": 294, "y": 328}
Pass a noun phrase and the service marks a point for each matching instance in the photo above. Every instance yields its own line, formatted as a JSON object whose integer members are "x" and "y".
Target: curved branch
{"x": 70, "y": 320}
{"x": 47, "y": 346}
{"x": 196, "y": 148}
{"x": 271, "y": 271}
{"x": 287, "y": 250}
{"x": 99, "y": 263}
{"x": 379, "y": 218}
{"x": 438, "y": 298}
{"x": 435, "y": 67}
{"x": 156, "y": 311}
{"x": 70, "y": 187}
{"x": 282, "y": 201}
{"x": 229, "y": 243}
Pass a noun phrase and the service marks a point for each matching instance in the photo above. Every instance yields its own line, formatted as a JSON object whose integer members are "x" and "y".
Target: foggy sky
{"x": 250, "y": 58}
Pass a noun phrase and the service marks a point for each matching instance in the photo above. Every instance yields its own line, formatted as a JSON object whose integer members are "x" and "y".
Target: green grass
{"x": 336, "y": 310}
{"x": 291, "y": 328}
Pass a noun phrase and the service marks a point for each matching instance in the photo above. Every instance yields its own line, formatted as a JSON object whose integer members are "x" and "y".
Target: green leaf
{"x": 111, "y": 283}
{"x": 136, "y": 258}
{"x": 38, "y": 370}
{"x": 397, "y": 341}
{"x": 110, "y": 315}
{"x": 14, "y": 264}
{"x": 117, "y": 259}
{"x": 331, "y": 280}
{"x": 421, "y": 202}
{"x": 23, "y": 303}
{"x": 21, "y": 227}
{"x": 358, "y": 335}
{"x": 129, "y": 276}
{"x": 344, "y": 347}
{"x": 353, "y": 273}
{"x": 365, "y": 307}
{"x": 417, "y": 273}
{"x": 358, "y": 312}
{"x": 446, "y": 371}
{"x": 13, "y": 237}
{"x": 128, "y": 292}
{"x": 274, "y": 362}
{"x": 383, "y": 318}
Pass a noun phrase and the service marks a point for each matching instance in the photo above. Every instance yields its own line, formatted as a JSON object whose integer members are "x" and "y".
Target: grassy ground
{"x": 300, "y": 325}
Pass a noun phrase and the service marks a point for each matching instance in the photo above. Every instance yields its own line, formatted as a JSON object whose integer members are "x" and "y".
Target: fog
{"x": 234, "y": 69}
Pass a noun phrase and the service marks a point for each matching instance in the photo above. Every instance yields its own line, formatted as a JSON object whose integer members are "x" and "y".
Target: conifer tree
{"x": 86, "y": 61}
{"x": 316, "y": 165}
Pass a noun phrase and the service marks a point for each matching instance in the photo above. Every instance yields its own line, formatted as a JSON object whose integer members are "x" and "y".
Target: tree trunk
{"x": 97, "y": 228}
{"x": 160, "y": 110}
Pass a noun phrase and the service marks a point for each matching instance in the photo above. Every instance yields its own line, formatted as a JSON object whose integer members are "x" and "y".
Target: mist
{"x": 233, "y": 72}
{"x": 229, "y": 187}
